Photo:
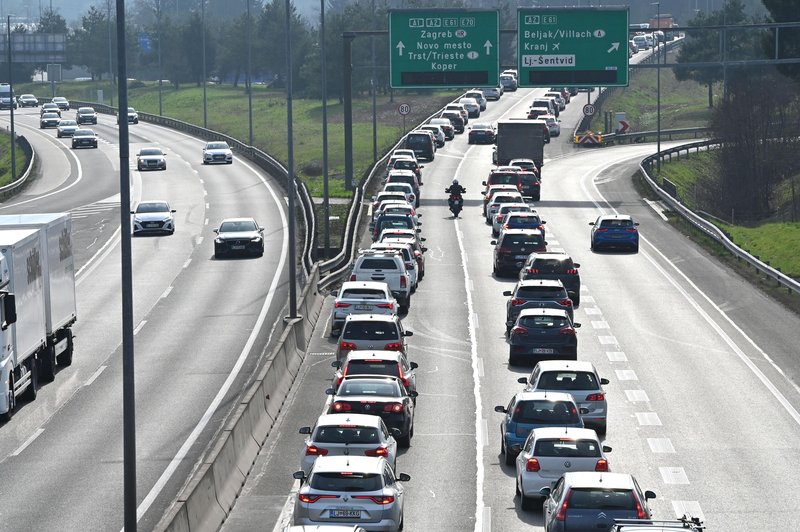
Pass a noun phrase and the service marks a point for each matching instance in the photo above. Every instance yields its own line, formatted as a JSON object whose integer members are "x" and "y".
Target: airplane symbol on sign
{"x": 556, "y": 45}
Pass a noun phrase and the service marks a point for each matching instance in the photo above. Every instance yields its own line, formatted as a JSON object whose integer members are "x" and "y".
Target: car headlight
{"x": 255, "y": 239}
{"x": 219, "y": 241}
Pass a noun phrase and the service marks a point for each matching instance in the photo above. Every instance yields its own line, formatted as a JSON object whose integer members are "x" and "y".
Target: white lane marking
{"x": 661, "y": 445}
{"x": 166, "y": 292}
{"x": 607, "y": 340}
{"x": 637, "y": 396}
{"x": 234, "y": 373}
{"x": 648, "y": 419}
{"x": 487, "y": 519}
{"x": 587, "y": 299}
{"x": 433, "y": 495}
{"x": 438, "y": 395}
{"x": 202, "y": 183}
{"x": 27, "y": 442}
{"x": 139, "y": 327}
{"x": 94, "y": 376}
{"x": 689, "y": 508}
{"x": 480, "y": 368}
{"x": 656, "y": 207}
{"x": 626, "y": 375}
{"x": 200, "y": 240}
{"x": 673, "y": 475}
{"x": 475, "y": 319}
{"x": 593, "y": 311}
{"x": 208, "y": 205}
{"x": 601, "y": 324}
{"x": 187, "y": 263}
{"x": 205, "y": 222}
{"x": 616, "y": 356}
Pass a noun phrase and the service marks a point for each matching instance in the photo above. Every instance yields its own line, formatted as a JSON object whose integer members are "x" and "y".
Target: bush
{"x": 135, "y": 84}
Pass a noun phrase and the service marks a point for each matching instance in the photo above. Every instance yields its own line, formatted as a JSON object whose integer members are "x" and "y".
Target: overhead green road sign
{"x": 443, "y": 48}
{"x": 573, "y": 47}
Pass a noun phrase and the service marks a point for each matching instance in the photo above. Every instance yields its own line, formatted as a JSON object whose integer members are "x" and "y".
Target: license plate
{"x": 346, "y": 514}
{"x": 237, "y": 247}
{"x": 152, "y": 224}
{"x": 520, "y": 257}
{"x": 543, "y": 351}
{"x": 617, "y": 236}
{"x": 363, "y": 307}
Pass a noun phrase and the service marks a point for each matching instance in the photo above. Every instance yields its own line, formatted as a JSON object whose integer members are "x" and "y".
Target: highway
{"x": 703, "y": 405}
{"x": 201, "y": 326}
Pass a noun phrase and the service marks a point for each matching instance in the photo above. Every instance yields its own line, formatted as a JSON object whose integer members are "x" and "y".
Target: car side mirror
{"x": 404, "y": 477}
{"x": 636, "y": 224}
{"x": 576, "y": 265}
{"x": 413, "y": 394}
{"x": 576, "y": 325}
{"x": 422, "y": 166}
{"x": 173, "y": 210}
{"x": 603, "y": 381}
{"x": 649, "y": 495}
{"x": 305, "y": 430}
{"x": 423, "y": 239}
{"x": 419, "y": 216}
{"x": 544, "y": 492}
{"x": 133, "y": 212}
{"x": 299, "y": 475}
{"x": 330, "y": 391}
{"x": 484, "y": 183}
{"x": 583, "y": 411}
{"x": 424, "y": 249}
{"x": 545, "y": 242}
{"x": 493, "y": 242}
{"x": 216, "y": 231}
{"x": 607, "y": 449}
{"x": 500, "y": 409}
{"x": 414, "y": 365}
{"x": 408, "y": 333}
{"x": 522, "y": 380}
{"x": 335, "y": 293}
{"x": 419, "y": 230}
{"x": 335, "y": 364}
{"x": 591, "y": 223}
{"x": 507, "y": 293}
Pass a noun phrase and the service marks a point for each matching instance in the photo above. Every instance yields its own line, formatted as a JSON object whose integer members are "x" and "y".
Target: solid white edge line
{"x": 27, "y": 442}
{"x": 204, "y": 420}
{"x": 653, "y": 205}
{"x": 95, "y": 375}
{"x": 139, "y": 327}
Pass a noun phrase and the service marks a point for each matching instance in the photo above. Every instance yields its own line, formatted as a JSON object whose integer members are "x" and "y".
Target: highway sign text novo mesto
{"x": 443, "y": 48}
{"x": 573, "y": 47}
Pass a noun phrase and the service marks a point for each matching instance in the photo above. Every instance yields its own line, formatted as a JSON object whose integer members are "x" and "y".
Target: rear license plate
{"x": 237, "y": 247}
{"x": 543, "y": 351}
{"x": 346, "y": 514}
{"x": 363, "y": 307}
{"x": 520, "y": 257}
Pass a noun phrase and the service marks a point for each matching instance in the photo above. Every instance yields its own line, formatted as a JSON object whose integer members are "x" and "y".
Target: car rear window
{"x": 547, "y": 412}
{"x": 418, "y": 140}
{"x": 601, "y": 499}
{"x": 346, "y": 434}
{"x": 567, "y": 380}
{"x": 616, "y": 223}
{"x": 522, "y": 241}
{"x": 552, "y": 265}
{"x": 528, "y": 179}
{"x": 370, "y": 330}
{"x": 503, "y": 179}
{"x": 378, "y": 263}
{"x": 567, "y": 447}
{"x": 541, "y": 292}
{"x": 505, "y": 199}
{"x": 346, "y": 481}
{"x": 369, "y": 387}
{"x": 513, "y": 208}
{"x": 373, "y": 367}
{"x": 402, "y": 164}
{"x": 544, "y": 322}
{"x": 404, "y": 222}
{"x": 524, "y": 221}
{"x": 363, "y": 293}
{"x": 395, "y": 178}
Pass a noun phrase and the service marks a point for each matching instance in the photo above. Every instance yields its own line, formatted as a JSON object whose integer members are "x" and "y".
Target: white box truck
{"x": 58, "y": 264}
{"x": 22, "y": 331}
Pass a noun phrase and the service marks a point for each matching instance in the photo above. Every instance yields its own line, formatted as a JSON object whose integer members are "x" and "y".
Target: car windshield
{"x": 505, "y": 199}
{"x": 150, "y": 151}
{"x": 131, "y": 110}
{"x": 373, "y": 367}
{"x": 346, "y": 481}
{"x": 370, "y": 330}
{"x": 363, "y": 293}
{"x": 49, "y": 115}
{"x": 85, "y": 111}
{"x": 239, "y": 226}
{"x": 523, "y": 164}
{"x": 152, "y": 207}
{"x": 217, "y": 146}
{"x": 378, "y": 388}
{"x": 567, "y": 380}
{"x": 540, "y": 292}
{"x": 616, "y": 223}
{"x": 346, "y": 434}
{"x": 601, "y": 499}
{"x": 84, "y": 133}
{"x": 403, "y": 222}
{"x": 68, "y": 123}
{"x": 567, "y": 447}
{"x": 513, "y": 208}
{"x": 522, "y": 222}
{"x": 405, "y": 164}
{"x": 544, "y": 411}
{"x": 397, "y": 187}
{"x": 544, "y": 322}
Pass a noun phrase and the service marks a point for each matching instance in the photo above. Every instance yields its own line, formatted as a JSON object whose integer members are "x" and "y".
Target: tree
{"x": 90, "y": 43}
{"x": 788, "y": 38}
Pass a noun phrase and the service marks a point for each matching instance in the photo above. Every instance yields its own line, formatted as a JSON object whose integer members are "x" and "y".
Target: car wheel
{"x": 58, "y": 135}
{"x": 165, "y": 167}
{"x": 139, "y": 167}
{"x": 230, "y": 162}
{"x": 32, "y": 391}
{"x": 512, "y": 360}
{"x": 636, "y": 248}
{"x": 218, "y": 252}
{"x": 12, "y": 401}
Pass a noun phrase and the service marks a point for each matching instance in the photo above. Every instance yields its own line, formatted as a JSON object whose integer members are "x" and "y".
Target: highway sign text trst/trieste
{"x": 573, "y": 47}
{"x": 431, "y": 48}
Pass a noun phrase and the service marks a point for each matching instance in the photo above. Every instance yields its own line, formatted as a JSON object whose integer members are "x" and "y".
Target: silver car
{"x": 153, "y": 217}
{"x": 66, "y": 128}
{"x": 548, "y": 453}
{"x": 151, "y": 159}
{"x": 361, "y": 297}
{"x": 372, "y": 331}
{"x": 217, "y": 153}
{"x": 492, "y": 93}
{"x": 578, "y": 378}
{"x": 502, "y": 213}
{"x": 348, "y": 435}
{"x": 354, "y": 490}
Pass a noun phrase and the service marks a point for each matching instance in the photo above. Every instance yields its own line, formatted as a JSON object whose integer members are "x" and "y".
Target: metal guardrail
{"x": 705, "y": 226}
{"x": 15, "y": 186}
{"x": 269, "y": 164}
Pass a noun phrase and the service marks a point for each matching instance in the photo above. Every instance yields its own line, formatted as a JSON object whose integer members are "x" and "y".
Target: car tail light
{"x": 533, "y": 270}
{"x": 565, "y": 302}
{"x": 342, "y": 305}
{"x": 572, "y": 271}
{"x": 602, "y": 465}
{"x": 640, "y": 514}
{"x": 377, "y": 499}
{"x": 631, "y": 229}
{"x": 353, "y": 277}
{"x": 403, "y": 281}
{"x": 385, "y": 305}
{"x": 532, "y": 465}
{"x": 601, "y": 230}
{"x": 516, "y": 302}
{"x": 393, "y": 407}
{"x": 519, "y": 330}
{"x": 346, "y": 346}
{"x": 499, "y": 218}
{"x": 504, "y": 250}
{"x": 394, "y": 346}
{"x": 562, "y": 512}
{"x": 313, "y": 450}
{"x": 314, "y": 498}
{"x": 341, "y": 406}
{"x": 566, "y": 330}
{"x": 417, "y": 254}
{"x": 595, "y": 397}
{"x": 380, "y": 451}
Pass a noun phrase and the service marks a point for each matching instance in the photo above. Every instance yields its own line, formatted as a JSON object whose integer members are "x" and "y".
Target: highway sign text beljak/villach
{"x": 443, "y": 48}
{"x": 574, "y": 47}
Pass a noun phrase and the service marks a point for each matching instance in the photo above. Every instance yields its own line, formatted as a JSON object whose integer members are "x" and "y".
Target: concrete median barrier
{"x": 246, "y": 448}
{"x": 256, "y": 410}
{"x": 228, "y": 479}
{"x": 203, "y": 511}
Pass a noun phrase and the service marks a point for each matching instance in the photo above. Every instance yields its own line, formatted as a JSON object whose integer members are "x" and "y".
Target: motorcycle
{"x": 456, "y": 203}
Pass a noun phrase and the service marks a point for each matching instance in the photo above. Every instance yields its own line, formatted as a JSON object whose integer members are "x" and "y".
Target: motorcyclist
{"x": 455, "y": 189}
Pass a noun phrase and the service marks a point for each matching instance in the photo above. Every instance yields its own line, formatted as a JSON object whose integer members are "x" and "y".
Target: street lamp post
{"x": 11, "y": 107}
{"x": 203, "y": 29}
{"x": 658, "y": 88}
{"x": 249, "y": 81}
{"x": 290, "y": 184}
{"x": 160, "y": 73}
{"x": 110, "y": 52}
{"x": 326, "y": 208}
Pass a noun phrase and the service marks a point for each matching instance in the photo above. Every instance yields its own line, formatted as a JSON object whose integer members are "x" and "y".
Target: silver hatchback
{"x": 353, "y": 490}
{"x": 361, "y": 297}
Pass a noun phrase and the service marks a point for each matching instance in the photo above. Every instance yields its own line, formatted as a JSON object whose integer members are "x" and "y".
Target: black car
{"x": 84, "y": 138}
{"x": 239, "y": 236}
{"x": 536, "y": 294}
{"x": 49, "y": 120}
{"x": 542, "y": 334}
{"x": 379, "y": 396}
{"x": 554, "y": 265}
{"x": 481, "y": 133}
{"x": 86, "y": 115}
{"x": 513, "y": 247}
{"x": 456, "y": 119}
{"x": 531, "y": 185}
{"x": 392, "y": 221}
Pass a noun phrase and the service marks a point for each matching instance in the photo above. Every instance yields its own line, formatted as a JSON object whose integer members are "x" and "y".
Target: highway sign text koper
{"x": 574, "y": 47}
{"x": 443, "y": 48}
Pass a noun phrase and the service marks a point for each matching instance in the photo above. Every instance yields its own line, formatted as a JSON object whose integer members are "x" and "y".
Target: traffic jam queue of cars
{"x": 551, "y": 430}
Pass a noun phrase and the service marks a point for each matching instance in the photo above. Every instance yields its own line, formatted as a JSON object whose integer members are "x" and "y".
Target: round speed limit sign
{"x": 404, "y": 109}
{"x": 588, "y": 109}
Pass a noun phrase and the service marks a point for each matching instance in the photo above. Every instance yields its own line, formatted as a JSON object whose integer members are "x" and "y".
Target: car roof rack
{"x": 685, "y": 521}
{"x": 379, "y": 252}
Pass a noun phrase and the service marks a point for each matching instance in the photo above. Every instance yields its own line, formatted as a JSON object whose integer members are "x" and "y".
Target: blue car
{"x": 614, "y": 231}
{"x": 533, "y": 410}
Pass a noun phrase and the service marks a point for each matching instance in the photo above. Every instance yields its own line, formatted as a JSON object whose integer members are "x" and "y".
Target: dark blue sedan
{"x": 614, "y": 231}
{"x": 543, "y": 333}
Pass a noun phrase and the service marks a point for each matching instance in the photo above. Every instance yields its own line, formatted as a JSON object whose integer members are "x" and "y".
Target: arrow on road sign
{"x": 614, "y": 46}
{"x": 488, "y": 46}
{"x": 623, "y": 126}
{"x": 400, "y": 47}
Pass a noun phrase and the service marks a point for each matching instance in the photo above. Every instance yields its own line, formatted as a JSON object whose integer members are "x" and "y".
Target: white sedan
{"x": 217, "y": 152}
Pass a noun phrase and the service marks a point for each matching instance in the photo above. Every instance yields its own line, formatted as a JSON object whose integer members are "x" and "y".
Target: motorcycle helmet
{"x": 455, "y": 181}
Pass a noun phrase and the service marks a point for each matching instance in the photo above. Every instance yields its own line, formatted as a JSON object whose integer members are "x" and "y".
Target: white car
{"x": 409, "y": 259}
{"x": 217, "y": 152}
{"x": 499, "y": 199}
{"x": 492, "y": 93}
{"x": 502, "y": 213}
{"x": 550, "y": 452}
{"x": 479, "y": 97}
{"x": 405, "y": 188}
{"x": 438, "y": 133}
{"x": 153, "y": 217}
{"x": 361, "y": 297}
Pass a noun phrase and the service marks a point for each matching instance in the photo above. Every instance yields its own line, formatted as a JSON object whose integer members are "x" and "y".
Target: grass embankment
{"x": 5, "y": 159}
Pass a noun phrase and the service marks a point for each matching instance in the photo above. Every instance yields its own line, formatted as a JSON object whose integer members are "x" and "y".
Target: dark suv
{"x": 554, "y": 265}
{"x": 531, "y": 185}
{"x": 536, "y": 294}
{"x": 513, "y": 247}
